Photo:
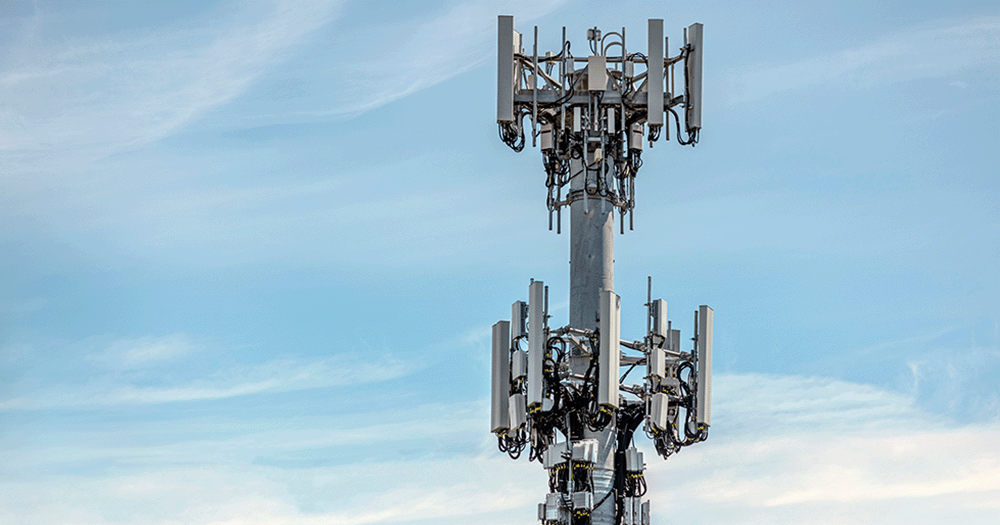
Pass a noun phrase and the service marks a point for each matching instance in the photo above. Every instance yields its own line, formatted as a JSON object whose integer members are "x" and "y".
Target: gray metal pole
{"x": 592, "y": 246}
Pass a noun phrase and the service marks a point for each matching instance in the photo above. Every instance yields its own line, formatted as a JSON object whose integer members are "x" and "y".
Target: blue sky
{"x": 251, "y": 252}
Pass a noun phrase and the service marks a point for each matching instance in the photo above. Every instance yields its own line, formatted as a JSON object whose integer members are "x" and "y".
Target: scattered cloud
{"x": 144, "y": 351}
{"x": 388, "y": 220}
{"x": 280, "y": 375}
{"x": 413, "y": 57}
{"x": 783, "y": 448}
{"x": 937, "y": 50}
{"x": 457, "y": 45}
{"x": 769, "y": 476}
{"x": 445, "y": 491}
{"x": 91, "y": 96}
{"x": 95, "y": 95}
{"x": 754, "y": 402}
{"x": 959, "y": 383}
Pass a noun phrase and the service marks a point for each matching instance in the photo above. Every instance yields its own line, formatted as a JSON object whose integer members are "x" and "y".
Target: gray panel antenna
{"x": 659, "y": 328}
{"x": 536, "y": 342}
{"x": 567, "y": 396}
{"x": 693, "y": 70}
{"x": 518, "y": 319}
{"x": 505, "y": 69}
{"x": 704, "y": 398}
{"x": 654, "y": 74}
{"x": 609, "y": 354}
{"x": 499, "y": 411}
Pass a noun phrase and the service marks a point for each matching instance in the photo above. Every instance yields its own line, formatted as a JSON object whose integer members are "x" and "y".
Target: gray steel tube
{"x": 592, "y": 245}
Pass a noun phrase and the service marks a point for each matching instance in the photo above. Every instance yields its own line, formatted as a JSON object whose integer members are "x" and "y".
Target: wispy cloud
{"x": 320, "y": 434}
{"x": 941, "y": 369}
{"x": 281, "y": 375}
{"x": 442, "y": 491}
{"x": 783, "y": 448}
{"x": 197, "y": 207}
{"x": 144, "y": 351}
{"x": 936, "y": 50}
{"x": 388, "y": 221}
{"x": 108, "y": 92}
{"x": 111, "y": 91}
{"x": 378, "y": 64}
{"x": 754, "y": 402}
{"x": 890, "y": 468}
{"x": 449, "y": 45}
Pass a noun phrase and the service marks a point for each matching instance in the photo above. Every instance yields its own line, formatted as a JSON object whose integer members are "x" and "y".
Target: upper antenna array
{"x": 596, "y": 109}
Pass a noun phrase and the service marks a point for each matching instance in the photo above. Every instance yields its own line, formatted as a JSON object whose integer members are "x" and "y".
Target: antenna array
{"x": 560, "y": 392}
{"x": 600, "y": 104}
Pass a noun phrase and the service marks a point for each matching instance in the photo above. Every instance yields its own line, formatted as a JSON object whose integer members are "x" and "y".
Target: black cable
{"x": 692, "y": 137}
{"x": 606, "y": 496}
{"x": 626, "y": 372}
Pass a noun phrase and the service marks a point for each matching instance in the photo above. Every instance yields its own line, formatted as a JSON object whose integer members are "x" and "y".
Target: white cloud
{"x": 388, "y": 220}
{"x": 783, "y": 450}
{"x": 120, "y": 90}
{"x": 776, "y": 477}
{"x": 145, "y": 351}
{"x": 415, "y": 57}
{"x": 93, "y": 96}
{"x": 281, "y": 375}
{"x": 929, "y": 51}
{"x": 756, "y": 402}
{"x": 311, "y": 437}
{"x": 447, "y": 491}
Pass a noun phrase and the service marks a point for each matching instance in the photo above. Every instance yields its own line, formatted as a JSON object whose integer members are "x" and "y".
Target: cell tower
{"x": 565, "y": 398}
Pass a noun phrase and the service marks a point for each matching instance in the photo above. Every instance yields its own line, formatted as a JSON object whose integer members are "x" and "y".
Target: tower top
{"x": 597, "y": 109}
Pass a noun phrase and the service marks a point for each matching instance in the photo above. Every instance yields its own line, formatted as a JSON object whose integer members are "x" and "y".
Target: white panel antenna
{"x": 585, "y": 451}
{"x": 656, "y": 363}
{"x": 554, "y": 455}
{"x": 545, "y": 137}
{"x": 518, "y": 365}
{"x": 518, "y": 413}
{"x": 659, "y": 405}
{"x": 633, "y": 460}
{"x": 635, "y": 136}
{"x": 556, "y": 509}
{"x": 597, "y": 73}
{"x": 610, "y": 351}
